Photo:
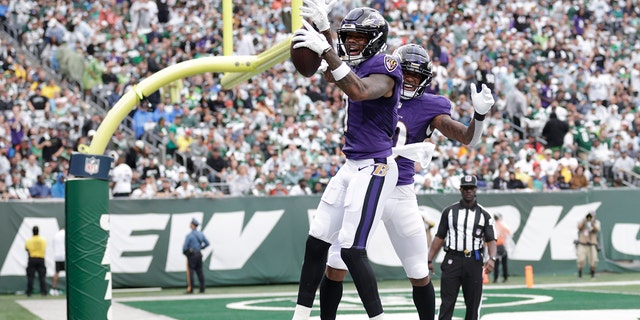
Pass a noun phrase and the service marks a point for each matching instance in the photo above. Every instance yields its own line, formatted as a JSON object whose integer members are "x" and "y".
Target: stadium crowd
{"x": 565, "y": 75}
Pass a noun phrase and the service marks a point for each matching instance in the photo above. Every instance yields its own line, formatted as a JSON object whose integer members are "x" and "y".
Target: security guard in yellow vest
{"x": 36, "y": 247}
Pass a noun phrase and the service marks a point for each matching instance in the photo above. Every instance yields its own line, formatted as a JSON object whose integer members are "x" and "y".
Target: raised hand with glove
{"x": 317, "y": 12}
{"x": 482, "y": 102}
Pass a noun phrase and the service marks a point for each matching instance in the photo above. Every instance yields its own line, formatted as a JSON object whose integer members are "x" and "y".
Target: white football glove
{"x": 310, "y": 38}
{"x": 483, "y": 100}
{"x": 317, "y": 11}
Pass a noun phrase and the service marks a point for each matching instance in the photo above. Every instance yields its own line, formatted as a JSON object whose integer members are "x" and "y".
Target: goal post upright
{"x": 268, "y": 58}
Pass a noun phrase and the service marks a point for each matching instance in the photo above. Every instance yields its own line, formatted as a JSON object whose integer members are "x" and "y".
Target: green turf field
{"x": 609, "y": 296}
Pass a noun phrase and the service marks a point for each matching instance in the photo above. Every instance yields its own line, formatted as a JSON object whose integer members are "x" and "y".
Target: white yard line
{"x": 56, "y": 309}
{"x": 408, "y": 289}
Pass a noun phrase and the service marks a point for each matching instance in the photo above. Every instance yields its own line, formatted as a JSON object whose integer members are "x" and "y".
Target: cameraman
{"x": 588, "y": 243}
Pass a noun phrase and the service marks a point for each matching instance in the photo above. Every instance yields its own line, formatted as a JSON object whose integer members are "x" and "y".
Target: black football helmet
{"x": 414, "y": 58}
{"x": 366, "y": 21}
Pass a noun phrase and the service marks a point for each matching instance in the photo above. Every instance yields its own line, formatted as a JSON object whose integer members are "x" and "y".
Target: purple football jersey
{"x": 415, "y": 116}
{"x": 370, "y": 124}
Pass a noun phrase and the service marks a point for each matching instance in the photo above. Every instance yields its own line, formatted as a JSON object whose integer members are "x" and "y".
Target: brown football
{"x": 305, "y": 60}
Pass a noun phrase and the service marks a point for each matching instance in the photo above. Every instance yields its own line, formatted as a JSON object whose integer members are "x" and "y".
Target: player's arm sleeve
{"x": 477, "y": 132}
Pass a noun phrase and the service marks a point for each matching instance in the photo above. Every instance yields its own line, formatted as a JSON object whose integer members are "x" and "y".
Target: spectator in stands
{"x": 40, "y": 189}
{"x": 119, "y": 141}
{"x": 300, "y": 189}
{"x": 146, "y": 190}
{"x": 239, "y": 181}
{"x": 92, "y": 123}
{"x": 121, "y": 178}
{"x": 51, "y": 144}
{"x": 166, "y": 189}
{"x": 206, "y": 190}
{"x": 516, "y": 106}
{"x": 92, "y": 75}
{"x": 151, "y": 169}
{"x": 58, "y": 187}
{"x": 258, "y": 188}
{"x": 622, "y": 166}
{"x": 197, "y": 155}
{"x": 5, "y": 164}
{"x": 185, "y": 140}
{"x": 579, "y": 180}
{"x": 513, "y": 182}
{"x": 18, "y": 124}
{"x": 32, "y": 169}
{"x": 17, "y": 189}
{"x": 598, "y": 182}
{"x": 181, "y": 173}
{"x": 135, "y": 153}
{"x": 554, "y": 131}
{"x": 501, "y": 178}
{"x": 4, "y": 191}
{"x": 278, "y": 189}
{"x": 142, "y": 118}
{"x": 552, "y": 183}
{"x": 185, "y": 190}
{"x": 172, "y": 135}
{"x": 563, "y": 184}
{"x": 38, "y": 102}
{"x": 292, "y": 176}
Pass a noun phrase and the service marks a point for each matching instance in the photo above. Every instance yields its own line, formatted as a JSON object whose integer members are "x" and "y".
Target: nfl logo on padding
{"x": 91, "y": 165}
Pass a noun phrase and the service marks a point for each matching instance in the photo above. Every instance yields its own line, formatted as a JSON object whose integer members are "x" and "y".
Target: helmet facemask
{"x": 415, "y": 60}
{"x": 367, "y": 22}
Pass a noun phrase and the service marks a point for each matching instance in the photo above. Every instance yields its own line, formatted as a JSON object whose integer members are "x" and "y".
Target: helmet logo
{"x": 373, "y": 20}
{"x": 390, "y": 63}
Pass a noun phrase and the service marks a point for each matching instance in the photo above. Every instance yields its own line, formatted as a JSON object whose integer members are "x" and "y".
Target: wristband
{"x": 479, "y": 117}
{"x": 340, "y": 72}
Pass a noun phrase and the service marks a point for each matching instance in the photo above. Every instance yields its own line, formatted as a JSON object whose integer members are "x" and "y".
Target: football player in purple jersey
{"x": 419, "y": 115}
{"x": 352, "y": 203}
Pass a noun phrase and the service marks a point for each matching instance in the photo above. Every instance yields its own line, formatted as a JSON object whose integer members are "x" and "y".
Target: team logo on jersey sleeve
{"x": 390, "y": 63}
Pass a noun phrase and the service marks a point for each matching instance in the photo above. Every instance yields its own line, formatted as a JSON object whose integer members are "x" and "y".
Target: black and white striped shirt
{"x": 465, "y": 228}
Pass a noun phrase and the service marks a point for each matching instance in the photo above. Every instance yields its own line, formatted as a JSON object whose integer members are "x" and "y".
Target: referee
{"x": 464, "y": 229}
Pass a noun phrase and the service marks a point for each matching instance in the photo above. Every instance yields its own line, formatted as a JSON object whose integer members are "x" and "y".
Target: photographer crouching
{"x": 587, "y": 245}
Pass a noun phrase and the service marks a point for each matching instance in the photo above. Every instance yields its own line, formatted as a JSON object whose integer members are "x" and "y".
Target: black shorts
{"x": 60, "y": 266}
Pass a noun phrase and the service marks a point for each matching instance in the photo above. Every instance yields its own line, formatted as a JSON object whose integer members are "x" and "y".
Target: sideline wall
{"x": 261, "y": 240}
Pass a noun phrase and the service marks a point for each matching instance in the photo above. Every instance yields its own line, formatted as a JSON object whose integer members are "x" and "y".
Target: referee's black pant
{"x": 460, "y": 271}
{"x": 36, "y": 265}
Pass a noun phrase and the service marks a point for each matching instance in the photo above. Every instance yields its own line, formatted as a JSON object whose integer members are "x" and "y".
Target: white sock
{"x": 301, "y": 313}
{"x": 378, "y": 317}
